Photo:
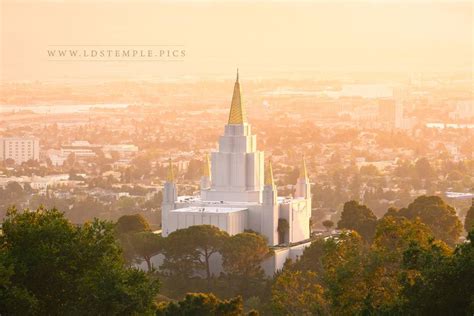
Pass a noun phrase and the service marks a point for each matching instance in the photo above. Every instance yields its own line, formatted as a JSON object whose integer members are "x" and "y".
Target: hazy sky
{"x": 261, "y": 38}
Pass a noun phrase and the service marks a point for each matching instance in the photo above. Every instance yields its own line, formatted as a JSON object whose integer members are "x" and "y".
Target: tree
{"x": 201, "y": 304}
{"x": 436, "y": 283}
{"x": 469, "y": 220}
{"x": 59, "y": 268}
{"x": 13, "y": 190}
{"x": 328, "y": 224}
{"x": 424, "y": 169}
{"x": 135, "y": 245}
{"x": 242, "y": 255}
{"x": 384, "y": 270}
{"x": 146, "y": 245}
{"x": 344, "y": 276}
{"x": 311, "y": 259}
{"x": 298, "y": 293}
{"x": 194, "y": 169}
{"x": 208, "y": 240}
{"x": 358, "y": 217}
{"x": 132, "y": 223}
{"x": 189, "y": 250}
{"x": 282, "y": 229}
{"x": 440, "y": 217}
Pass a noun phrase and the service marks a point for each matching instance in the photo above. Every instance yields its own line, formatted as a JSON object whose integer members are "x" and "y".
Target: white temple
{"x": 237, "y": 192}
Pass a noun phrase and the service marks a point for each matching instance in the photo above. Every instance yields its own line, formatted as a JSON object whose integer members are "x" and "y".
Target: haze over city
{"x": 266, "y": 39}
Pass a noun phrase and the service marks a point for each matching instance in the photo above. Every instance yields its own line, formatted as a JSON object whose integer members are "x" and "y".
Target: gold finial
{"x": 206, "y": 168}
{"x": 170, "y": 175}
{"x": 269, "y": 174}
{"x": 303, "y": 171}
{"x": 237, "y": 113}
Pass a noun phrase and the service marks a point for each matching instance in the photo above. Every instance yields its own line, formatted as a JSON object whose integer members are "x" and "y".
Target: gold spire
{"x": 269, "y": 174}
{"x": 303, "y": 171}
{"x": 170, "y": 174}
{"x": 206, "y": 168}
{"x": 237, "y": 113}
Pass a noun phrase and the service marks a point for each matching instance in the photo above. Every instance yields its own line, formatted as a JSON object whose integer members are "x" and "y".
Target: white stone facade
{"x": 233, "y": 196}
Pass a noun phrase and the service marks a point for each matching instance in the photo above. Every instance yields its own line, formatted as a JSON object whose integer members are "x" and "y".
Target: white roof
{"x": 207, "y": 209}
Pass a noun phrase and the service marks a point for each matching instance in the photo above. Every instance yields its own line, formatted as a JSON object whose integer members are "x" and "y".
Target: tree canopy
{"x": 358, "y": 217}
{"x": 132, "y": 223}
{"x": 439, "y": 216}
{"x": 201, "y": 304}
{"x": 298, "y": 293}
{"x": 50, "y": 267}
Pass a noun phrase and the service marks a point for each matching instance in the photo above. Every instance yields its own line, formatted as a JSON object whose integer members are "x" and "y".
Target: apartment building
{"x": 20, "y": 149}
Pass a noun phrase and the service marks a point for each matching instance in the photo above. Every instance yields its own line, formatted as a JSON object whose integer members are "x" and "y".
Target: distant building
{"x": 81, "y": 149}
{"x": 390, "y": 113}
{"x": 20, "y": 149}
{"x": 56, "y": 157}
{"x": 123, "y": 150}
{"x": 463, "y": 110}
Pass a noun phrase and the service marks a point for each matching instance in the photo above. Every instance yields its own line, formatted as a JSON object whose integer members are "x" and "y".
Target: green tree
{"x": 282, "y": 229}
{"x": 393, "y": 237}
{"x": 311, "y": 259}
{"x": 201, "y": 304}
{"x": 298, "y": 293}
{"x": 242, "y": 255}
{"x": 64, "y": 269}
{"x": 14, "y": 299}
{"x": 192, "y": 248}
{"x": 358, "y": 217}
{"x": 328, "y": 224}
{"x": 440, "y": 217}
{"x": 208, "y": 240}
{"x": 135, "y": 246}
{"x": 437, "y": 283}
{"x": 344, "y": 273}
{"x": 145, "y": 246}
{"x": 14, "y": 191}
{"x": 132, "y": 223}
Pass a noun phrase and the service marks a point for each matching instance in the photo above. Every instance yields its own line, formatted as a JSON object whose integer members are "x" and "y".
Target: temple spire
{"x": 206, "y": 168}
{"x": 269, "y": 174}
{"x": 170, "y": 174}
{"x": 237, "y": 113}
{"x": 303, "y": 170}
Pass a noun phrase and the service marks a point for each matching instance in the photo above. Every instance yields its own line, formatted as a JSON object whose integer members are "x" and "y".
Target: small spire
{"x": 206, "y": 168}
{"x": 170, "y": 174}
{"x": 303, "y": 170}
{"x": 237, "y": 113}
{"x": 269, "y": 174}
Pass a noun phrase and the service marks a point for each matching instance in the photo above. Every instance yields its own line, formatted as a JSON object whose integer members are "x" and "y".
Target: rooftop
{"x": 209, "y": 209}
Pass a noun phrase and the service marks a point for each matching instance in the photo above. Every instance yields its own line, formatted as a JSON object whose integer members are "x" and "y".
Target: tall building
{"x": 237, "y": 190}
{"x": 20, "y": 149}
{"x": 390, "y": 113}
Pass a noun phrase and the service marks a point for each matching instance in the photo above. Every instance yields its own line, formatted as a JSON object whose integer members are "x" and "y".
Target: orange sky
{"x": 262, "y": 39}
